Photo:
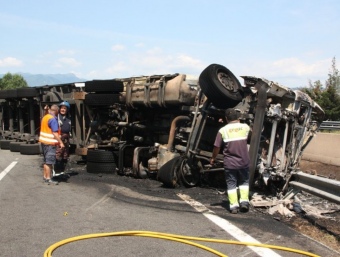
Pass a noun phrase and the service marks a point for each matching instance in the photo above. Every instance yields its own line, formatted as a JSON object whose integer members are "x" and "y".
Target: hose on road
{"x": 173, "y": 237}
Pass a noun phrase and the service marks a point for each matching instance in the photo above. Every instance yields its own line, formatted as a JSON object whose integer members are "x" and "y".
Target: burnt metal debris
{"x": 164, "y": 126}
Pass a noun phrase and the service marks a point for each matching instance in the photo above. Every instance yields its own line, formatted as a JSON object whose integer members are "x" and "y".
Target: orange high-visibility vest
{"x": 46, "y": 135}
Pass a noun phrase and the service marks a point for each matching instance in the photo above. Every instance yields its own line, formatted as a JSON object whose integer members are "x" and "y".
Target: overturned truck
{"x": 164, "y": 126}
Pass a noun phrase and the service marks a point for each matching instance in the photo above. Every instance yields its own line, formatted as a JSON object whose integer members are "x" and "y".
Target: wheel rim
{"x": 227, "y": 82}
{"x": 190, "y": 177}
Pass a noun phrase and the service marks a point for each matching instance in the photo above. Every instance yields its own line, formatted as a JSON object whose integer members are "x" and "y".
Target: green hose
{"x": 173, "y": 237}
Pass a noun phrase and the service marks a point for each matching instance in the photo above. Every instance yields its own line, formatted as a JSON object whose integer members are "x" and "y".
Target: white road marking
{"x": 8, "y": 169}
{"x": 227, "y": 226}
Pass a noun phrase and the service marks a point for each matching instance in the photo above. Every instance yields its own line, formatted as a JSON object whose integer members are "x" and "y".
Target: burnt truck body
{"x": 164, "y": 126}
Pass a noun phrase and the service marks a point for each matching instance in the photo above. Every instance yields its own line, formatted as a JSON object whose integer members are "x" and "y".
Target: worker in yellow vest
{"x": 233, "y": 138}
{"x": 49, "y": 139}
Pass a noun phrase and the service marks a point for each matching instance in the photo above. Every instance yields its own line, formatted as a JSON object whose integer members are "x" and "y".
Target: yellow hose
{"x": 173, "y": 237}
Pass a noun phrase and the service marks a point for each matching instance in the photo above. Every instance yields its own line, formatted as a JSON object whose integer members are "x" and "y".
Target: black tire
{"x": 27, "y": 92}
{"x": 168, "y": 174}
{"x": 30, "y": 149}
{"x": 8, "y": 93}
{"x": 4, "y": 144}
{"x": 15, "y": 146}
{"x": 104, "y": 86}
{"x": 3, "y": 94}
{"x": 220, "y": 86}
{"x": 102, "y": 156}
{"x": 101, "y": 167}
{"x": 101, "y": 99}
{"x": 12, "y": 93}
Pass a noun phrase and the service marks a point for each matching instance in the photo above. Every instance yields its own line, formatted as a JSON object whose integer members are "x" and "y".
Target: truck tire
{"x": 101, "y": 99}
{"x": 104, "y": 86}
{"x": 3, "y": 94}
{"x": 4, "y": 144}
{"x": 30, "y": 149}
{"x": 220, "y": 86}
{"x": 168, "y": 174}
{"x": 27, "y": 92}
{"x": 102, "y": 156}
{"x": 101, "y": 167}
{"x": 8, "y": 93}
{"x": 15, "y": 146}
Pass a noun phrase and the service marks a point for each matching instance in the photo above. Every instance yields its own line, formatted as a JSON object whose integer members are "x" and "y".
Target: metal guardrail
{"x": 330, "y": 125}
{"x": 323, "y": 187}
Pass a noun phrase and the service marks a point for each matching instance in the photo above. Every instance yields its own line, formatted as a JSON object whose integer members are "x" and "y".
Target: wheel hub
{"x": 227, "y": 82}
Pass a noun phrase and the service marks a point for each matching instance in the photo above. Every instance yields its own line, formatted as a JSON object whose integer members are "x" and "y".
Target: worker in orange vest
{"x": 49, "y": 139}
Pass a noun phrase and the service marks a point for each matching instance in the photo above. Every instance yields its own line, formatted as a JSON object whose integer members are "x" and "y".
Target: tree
{"x": 314, "y": 90}
{"x": 9, "y": 81}
{"x": 327, "y": 97}
{"x": 334, "y": 77}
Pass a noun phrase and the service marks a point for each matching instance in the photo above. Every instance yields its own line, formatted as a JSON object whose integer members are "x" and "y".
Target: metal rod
{"x": 283, "y": 157}
{"x": 271, "y": 144}
{"x": 21, "y": 120}
{"x": 31, "y": 117}
{"x": 10, "y": 115}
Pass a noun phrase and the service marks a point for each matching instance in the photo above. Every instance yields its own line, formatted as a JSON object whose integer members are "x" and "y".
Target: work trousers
{"x": 62, "y": 154}
{"x": 237, "y": 178}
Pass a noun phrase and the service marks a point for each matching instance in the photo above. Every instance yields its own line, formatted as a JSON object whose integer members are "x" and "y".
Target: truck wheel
{"x": 3, "y": 94}
{"x": 104, "y": 86}
{"x": 30, "y": 149}
{"x": 27, "y": 92}
{"x": 168, "y": 174}
{"x": 189, "y": 177}
{"x": 8, "y": 93}
{"x": 101, "y": 167}
{"x": 100, "y": 156}
{"x": 220, "y": 86}
{"x": 15, "y": 146}
{"x": 4, "y": 144}
{"x": 101, "y": 99}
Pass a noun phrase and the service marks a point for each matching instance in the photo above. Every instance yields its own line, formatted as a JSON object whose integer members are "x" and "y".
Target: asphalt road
{"x": 33, "y": 216}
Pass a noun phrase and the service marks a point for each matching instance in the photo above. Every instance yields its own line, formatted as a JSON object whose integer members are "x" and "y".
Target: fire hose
{"x": 173, "y": 237}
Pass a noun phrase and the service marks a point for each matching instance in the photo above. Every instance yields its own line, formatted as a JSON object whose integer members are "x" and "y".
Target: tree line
{"x": 12, "y": 81}
{"x": 327, "y": 95}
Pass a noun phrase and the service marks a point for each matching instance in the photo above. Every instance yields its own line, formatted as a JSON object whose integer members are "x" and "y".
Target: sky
{"x": 290, "y": 42}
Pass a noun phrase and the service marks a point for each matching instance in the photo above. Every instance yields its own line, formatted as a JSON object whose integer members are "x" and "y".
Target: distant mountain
{"x": 34, "y": 80}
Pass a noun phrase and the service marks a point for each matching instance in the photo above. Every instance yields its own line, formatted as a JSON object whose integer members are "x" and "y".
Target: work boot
{"x": 234, "y": 210}
{"x": 244, "y": 206}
